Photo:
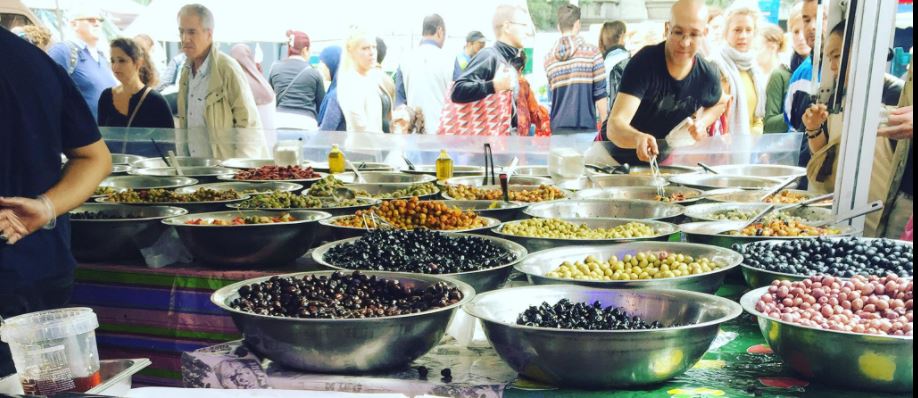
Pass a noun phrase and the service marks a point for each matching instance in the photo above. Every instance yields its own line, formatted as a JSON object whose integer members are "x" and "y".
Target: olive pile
{"x": 100, "y": 215}
{"x": 425, "y": 189}
{"x": 786, "y": 197}
{"x": 164, "y": 196}
{"x": 583, "y": 316}
{"x": 326, "y": 187}
{"x": 542, "y": 193}
{"x": 559, "y": 229}
{"x": 289, "y": 200}
{"x": 414, "y": 213}
{"x": 779, "y": 228}
{"x": 420, "y": 251}
{"x": 643, "y": 266}
{"x": 347, "y": 296}
{"x": 103, "y": 191}
{"x": 746, "y": 215}
{"x": 839, "y": 257}
{"x": 266, "y": 173}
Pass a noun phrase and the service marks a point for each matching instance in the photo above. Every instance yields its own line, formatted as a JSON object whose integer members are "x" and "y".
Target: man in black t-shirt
{"x": 663, "y": 85}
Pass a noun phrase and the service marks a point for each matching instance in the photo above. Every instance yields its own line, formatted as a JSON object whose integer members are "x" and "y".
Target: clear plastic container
{"x": 565, "y": 163}
{"x": 54, "y": 351}
{"x": 288, "y": 153}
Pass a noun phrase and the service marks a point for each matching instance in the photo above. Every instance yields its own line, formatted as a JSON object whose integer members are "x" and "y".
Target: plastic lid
{"x": 48, "y": 325}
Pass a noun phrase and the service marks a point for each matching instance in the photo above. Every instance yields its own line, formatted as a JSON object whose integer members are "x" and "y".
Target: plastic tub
{"x": 54, "y": 351}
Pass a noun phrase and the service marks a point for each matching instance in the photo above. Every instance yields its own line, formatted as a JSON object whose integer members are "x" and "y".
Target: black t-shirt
{"x": 42, "y": 114}
{"x": 665, "y": 101}
{"x": 153, "y": 113}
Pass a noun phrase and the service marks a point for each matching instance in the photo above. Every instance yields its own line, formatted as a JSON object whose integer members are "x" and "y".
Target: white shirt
{"x": 427, "y": 73}
{"x": 198, "y": 142}
{"x": 359, "y": 98}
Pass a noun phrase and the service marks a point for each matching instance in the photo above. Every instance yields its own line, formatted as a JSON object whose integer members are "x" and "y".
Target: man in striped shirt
{"x": 576, "y": 77}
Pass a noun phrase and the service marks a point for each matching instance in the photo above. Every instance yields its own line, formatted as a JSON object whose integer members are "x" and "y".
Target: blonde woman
{"x": 737, "y": 61}
{"x": 358, "y": 84}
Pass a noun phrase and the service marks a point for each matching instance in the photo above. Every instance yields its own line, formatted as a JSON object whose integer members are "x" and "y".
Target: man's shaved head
{"x": 689, "y": 11}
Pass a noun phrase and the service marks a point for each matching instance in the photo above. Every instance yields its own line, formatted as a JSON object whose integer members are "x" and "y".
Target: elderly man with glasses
{"x": 84, "y": 58}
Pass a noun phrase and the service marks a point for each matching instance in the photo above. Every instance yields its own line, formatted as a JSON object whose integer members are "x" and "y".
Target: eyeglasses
{"x": 92, "y": 20}
{"x": 693, "y": 37}
{"x": 518, "y": 23}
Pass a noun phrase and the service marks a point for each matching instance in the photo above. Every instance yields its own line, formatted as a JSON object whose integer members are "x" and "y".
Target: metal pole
{"x": 870, "y": 45}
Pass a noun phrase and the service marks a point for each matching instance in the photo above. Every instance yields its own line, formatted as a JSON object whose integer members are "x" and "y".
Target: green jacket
{"x": 774, "y": 100}
{"x": 231, "y": 116}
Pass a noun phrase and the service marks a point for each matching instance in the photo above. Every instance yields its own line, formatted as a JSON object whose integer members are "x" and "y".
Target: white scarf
{"x": 732, "y": 63}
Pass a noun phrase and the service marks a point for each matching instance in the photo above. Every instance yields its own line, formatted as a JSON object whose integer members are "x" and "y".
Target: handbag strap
{"x": 284, "y": 93}
{"x": 137, "y": 108}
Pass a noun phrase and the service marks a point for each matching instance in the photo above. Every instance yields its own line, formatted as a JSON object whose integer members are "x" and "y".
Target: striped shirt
{"x": 577, "y": 79}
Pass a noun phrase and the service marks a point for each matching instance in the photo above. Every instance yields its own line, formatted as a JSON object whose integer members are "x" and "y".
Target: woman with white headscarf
{"x": 737, "y": 60}
{"x": 261, "y": 90}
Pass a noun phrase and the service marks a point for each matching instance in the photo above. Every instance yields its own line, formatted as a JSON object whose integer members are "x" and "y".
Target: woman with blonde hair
{"x": 737, "y": 60}
{"x": 358, "y": 84}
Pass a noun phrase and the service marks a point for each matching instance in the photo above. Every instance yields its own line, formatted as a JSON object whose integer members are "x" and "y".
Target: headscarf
{"x": 331, "y": 57}
{"x": 732, "y": 63}
{"x": 261, "y": 89}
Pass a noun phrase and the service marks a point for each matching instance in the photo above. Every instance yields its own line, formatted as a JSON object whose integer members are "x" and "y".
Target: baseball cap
{"x": 474, "y": 36}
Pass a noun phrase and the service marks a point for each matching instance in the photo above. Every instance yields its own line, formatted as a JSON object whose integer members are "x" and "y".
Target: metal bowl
{"x": 384, "y": 177}
{"x": 123, "y": 159}
{"x": 118, "y": 239}
{"x": 255, "y": 245}
{"x": 609, "y": 181}
{"x": 365, "y": 203}
{"x": 536, "y": 265}
{"x": 482, "y": 280}
{"x": 512, "y": 188}
{"x": 204, "y": 174}
{"x": 362, "y": 166}
{"x": 761, "y": 170}
{"x": 602, "y": 359}
{"x": 639, "y": 193}
{"x": 245, "y": 164}
{"x": 706, "y": 211}
{"x": 708, "y": 182}
{"x": 344, "y": 345}
{"x": 692, "y": 233}
{"x": 184, "y": 161}
{"x": 503, "y": 211}
{"x": 478, "y": 181}
{"x": 192, "y": 207}
{"x": 757, "y": 277}
{"x": 146, "y": 182}
{"x": 382, "y": 189}
{"x": 305, "y": 182}
{"x": 845, "y": 359}
{"x": 534, "y": 244}
{"x": 120, "y": 170}
{"x": 248, "y": 188}
{"x": 592, "y": 208}
{"x": 338, "y": 232}
{"x": 458, "y": 171}
{"x": 665, "y": 171}
{"x": 532, "y": 171}
{"x": 755, "y": 196}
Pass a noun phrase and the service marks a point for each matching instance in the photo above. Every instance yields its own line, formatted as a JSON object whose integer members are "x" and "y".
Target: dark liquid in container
{"x": 77, "y": 384}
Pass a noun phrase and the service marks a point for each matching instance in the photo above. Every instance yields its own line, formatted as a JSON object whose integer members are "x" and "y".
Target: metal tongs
{"x": 489, "y": 166}
{"x": 657, "y": 176}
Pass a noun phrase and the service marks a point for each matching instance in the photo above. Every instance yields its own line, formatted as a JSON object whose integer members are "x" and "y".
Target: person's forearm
{"x": 622, "y": 134}
{"x": 817, "y": 143}
{"x": 710, "y": 115}
{"x": 82, "y": 174}
{"x": 602, "y": 109}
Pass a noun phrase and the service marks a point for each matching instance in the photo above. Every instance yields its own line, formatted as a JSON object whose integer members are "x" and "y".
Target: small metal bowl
{"x": 338, "y": 232}
{"x": 536, "y": 265}
{"x": 755, "y": 197}
{"x": 708, "y": 182}
{"x": 610, "y": 181}
{"x": 344, "y": 345}
{"x": 118, "y": 239}
{"x": 591, "y": 208}
{"x": 692, "y": 233}
{"x": 384, "y": 177}
{"x": 639, "y": 193}
{"x": 123, "y": 159}
{"x": 184, "y": 161}
{"x": 246, "y": 164}
{"x": 503, "y": 211}
{"x": 248, "y": 188}
{"x": 512, "y": 188}
{"x": 602, "y": 359}
{"x": 482, "y": 281}
{"x": 365, "y": 203}
{"x": 383, "y": 189}
{"x": 204, "y": 174}
{"x": 254, "y": 245}
{"x": 361, "y": 166}
{"x": 478, "y": 181}
{"x": 856, "y": 361}
{"x": 761, "y": 170}
{"x": 145, "y": 182}
{"x": 458, "y": 171}
{"x": 120, "y": 170}
{"x": 534, "y": 244}
{"x": 706, "y": 211}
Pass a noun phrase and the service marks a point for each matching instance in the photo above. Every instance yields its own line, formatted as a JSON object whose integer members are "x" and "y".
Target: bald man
{"x": 664, "y": 85}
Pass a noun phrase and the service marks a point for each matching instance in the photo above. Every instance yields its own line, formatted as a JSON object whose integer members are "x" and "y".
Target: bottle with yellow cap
{"x": 444, "y": 166}
{"x": 336, "y": 163}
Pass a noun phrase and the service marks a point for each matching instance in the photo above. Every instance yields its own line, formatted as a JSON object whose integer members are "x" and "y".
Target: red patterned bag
{"x": 488, "y": 116}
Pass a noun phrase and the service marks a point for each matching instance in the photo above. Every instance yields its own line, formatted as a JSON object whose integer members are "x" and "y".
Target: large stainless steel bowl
{"x": 124, "y": 159}
{"x": 665, "y": 171}
{"x": 118, "y": 239}
{"x": 333, "y": 209}
{"x": 532, "y": 171}
{"x": 639, "y": 193}
{"x": 706, "y": 211}
{"x": 603, "y": 359}
{"x": 503, "y": 211}
{"x": 120, "y": 170}
{"x": 145, "y": 182}
{"x": 192, "y": 207}
{"x": 254, "y": 245}
{"x": 242, "y": 163}
{"x": 344, "y": 345}
{"x": 458, "y": 171}
{"x": 362, "y": 166}
{"x": 337, "y": 232}
{"x": 844, "y": 359}
{"x": 249, "y": 188}
{"x": 537, "y": 265}
{"x": 511, "y": 188}
{"x": 761, "y": 170}
{"x": 478, "y": 181}
{"x": 384, "y": 177}
{"x": 184, "y": 161}
{"x": 384, "y": 189}
{"x": 534, "y": 244}
{"x": 707, "y": 182}
{"x": 204, "y": 174}
{"x": 609, "y": 181}
{"x": 592, "y": 208}
{"x": 694, "y": 232}
{"x": 756, "y": 196}
{"x": 482, "y": 280}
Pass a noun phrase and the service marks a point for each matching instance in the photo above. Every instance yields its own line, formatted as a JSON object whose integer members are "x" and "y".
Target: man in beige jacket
{"x": 215, "y": 104}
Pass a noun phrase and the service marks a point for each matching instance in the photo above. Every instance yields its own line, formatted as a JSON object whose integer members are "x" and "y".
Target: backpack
{"x": 614, "y": 80}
